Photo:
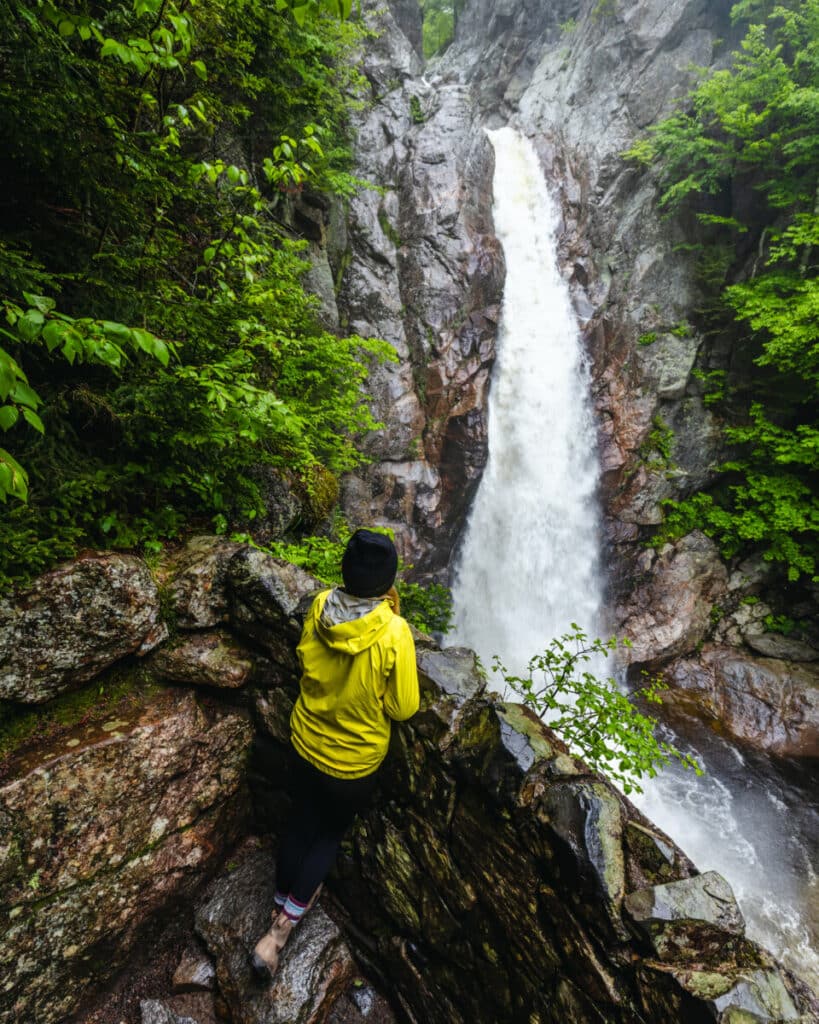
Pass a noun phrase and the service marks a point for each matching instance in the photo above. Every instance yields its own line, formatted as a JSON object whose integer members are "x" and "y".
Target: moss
{"x": 107, "y": 695}
{"x": 655, "y": 451}
{"x": 343, "y": 266}
{"x": 388, "y": 228}
{"x": 648, "y": 338}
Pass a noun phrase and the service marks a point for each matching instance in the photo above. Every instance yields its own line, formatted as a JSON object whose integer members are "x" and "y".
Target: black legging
{"x": 323, "y": 810}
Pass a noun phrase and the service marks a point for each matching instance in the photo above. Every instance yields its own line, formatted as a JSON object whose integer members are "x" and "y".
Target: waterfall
{"x": 528, "y": 563}
{"x": 528, "y": 568}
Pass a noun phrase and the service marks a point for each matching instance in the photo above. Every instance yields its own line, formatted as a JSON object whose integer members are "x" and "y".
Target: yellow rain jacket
{"x": 356, "y": 677}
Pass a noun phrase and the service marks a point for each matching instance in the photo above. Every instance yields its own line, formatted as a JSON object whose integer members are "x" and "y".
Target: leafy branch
{"x": 597, "y": 721}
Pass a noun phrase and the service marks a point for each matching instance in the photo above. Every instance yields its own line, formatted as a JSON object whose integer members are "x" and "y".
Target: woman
{"x": 357, "y": 658}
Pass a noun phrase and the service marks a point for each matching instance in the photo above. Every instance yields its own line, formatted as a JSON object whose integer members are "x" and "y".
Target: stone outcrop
{"x": 209, "y": 659}
{"x": 73, "y": 622}
{"x": 316, "y": 965}
{"x": 196, "y": 582}
{"x": 769, "y": 703}
{"x": 670, "y": 612}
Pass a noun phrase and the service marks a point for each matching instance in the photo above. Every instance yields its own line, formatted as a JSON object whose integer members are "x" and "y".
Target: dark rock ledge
{"x": 496, "y": 879}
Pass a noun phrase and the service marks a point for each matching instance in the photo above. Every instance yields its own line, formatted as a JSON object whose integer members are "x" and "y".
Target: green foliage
{"x": 428, "y": 608}
{"x": 157, "y": 342}
{"x": 655, "y": 451}
{"x": 648, "y": 338}
{"x": 783, "y": 624}
{"x": 568, "y": 26}
{"x": 751, "y": 127}
{"x": 597, "y": 721}
{"x": 417, "y": 115}
{"x": 440, "y": 24}
{"x": 714, "y": 382}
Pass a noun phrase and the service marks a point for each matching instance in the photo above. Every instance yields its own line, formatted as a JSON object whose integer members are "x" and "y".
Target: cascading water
{"x": 528, "y": 565}
{"x": 528, "y": 568}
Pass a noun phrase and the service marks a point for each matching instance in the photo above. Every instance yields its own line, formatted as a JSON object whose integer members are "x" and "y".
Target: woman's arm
{"x": 402, "y": 697}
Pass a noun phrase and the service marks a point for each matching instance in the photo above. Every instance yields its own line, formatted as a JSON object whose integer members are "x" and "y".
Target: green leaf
{"x": 24, "y": 395}
{"x": 200, "y": 71}
{"x": 30, "y": 324}
{"x": 300, "y": 14}
{"x": 13, "y": 478}
{"x": 34, "y": 420}
{"x": 8, "y": 416}
{"x": 53, "y": 334}
{"x": 66, "y": 28}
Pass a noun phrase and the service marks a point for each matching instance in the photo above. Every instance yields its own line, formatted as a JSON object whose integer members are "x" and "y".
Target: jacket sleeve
{"x": 402, "y": 698}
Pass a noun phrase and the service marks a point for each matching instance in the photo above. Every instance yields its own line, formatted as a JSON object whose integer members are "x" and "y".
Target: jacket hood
{"x": 356, "y": 635}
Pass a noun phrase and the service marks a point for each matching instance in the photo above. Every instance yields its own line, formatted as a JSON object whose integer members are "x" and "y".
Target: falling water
{"x": 528, "y": 568}
{"x": 528, "y": 564}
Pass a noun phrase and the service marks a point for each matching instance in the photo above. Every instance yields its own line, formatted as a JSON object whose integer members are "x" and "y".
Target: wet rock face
{"x": 73, "y": 622}
{"x": 498, "y": 880}
{"x": 495, "y": 878}
{"x": 669, "y": 613}
{"x": 769, "y": 703}
{"x": 103, "y": 833}
{"x": 425, "y": 273}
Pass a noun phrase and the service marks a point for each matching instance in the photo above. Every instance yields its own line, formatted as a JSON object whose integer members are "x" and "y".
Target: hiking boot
{"x": 265, "y": 957}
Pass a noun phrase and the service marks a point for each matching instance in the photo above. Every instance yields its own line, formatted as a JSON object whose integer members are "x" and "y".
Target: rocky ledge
{"x": 496, "y": 879}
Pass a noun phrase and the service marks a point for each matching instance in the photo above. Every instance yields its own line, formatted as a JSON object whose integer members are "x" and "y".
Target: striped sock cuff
{"x": 280, "y": 898}
{"x": 293, "y": 909}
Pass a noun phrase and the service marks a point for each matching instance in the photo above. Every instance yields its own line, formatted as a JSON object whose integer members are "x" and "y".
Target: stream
{"x": 529, "y": 566}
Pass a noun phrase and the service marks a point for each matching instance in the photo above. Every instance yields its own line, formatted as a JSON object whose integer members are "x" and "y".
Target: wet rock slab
{"x": 691, "y": 918}
{"x": 99, "y": 838}
{"x": 315, "y": 967}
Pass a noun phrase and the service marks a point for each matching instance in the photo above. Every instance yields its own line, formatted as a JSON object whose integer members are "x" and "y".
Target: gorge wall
{"x": 423, "y": 270}
{"x": 496, "y": 878}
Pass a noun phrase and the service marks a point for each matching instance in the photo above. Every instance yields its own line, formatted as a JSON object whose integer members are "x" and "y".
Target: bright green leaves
{"x": 597, "y": 721}
{"x": 147, "y": 126}
{"x": 784, "y": 308}
{"x": 303, "y": 11}
{"x": 81, "y": 340}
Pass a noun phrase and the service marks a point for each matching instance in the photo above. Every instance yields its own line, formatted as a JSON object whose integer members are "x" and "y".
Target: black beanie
{"x": 369, "y": 564}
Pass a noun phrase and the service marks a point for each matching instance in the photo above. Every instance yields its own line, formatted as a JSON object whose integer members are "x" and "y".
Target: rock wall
{"x": 583, "y": 79}
{"x": 423, "y": 271}
{"x": 496, "y": 879}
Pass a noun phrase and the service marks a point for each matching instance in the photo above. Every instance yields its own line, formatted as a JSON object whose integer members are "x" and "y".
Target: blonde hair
{"x": 394, "y": 599}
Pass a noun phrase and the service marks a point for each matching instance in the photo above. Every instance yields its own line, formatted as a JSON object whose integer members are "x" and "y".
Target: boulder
{"x": 101, "y": 833}
{"x": 268, "y": 600}
{"x": 687, "y": 919}
{"x": 194, "y": 580}
{"x": 771, "y": 704}
{"x": 315, "y": 966}
{"x": 73, "y": 622}
{"x": 209, "y": 659}
{"x": 194, "y": 973}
